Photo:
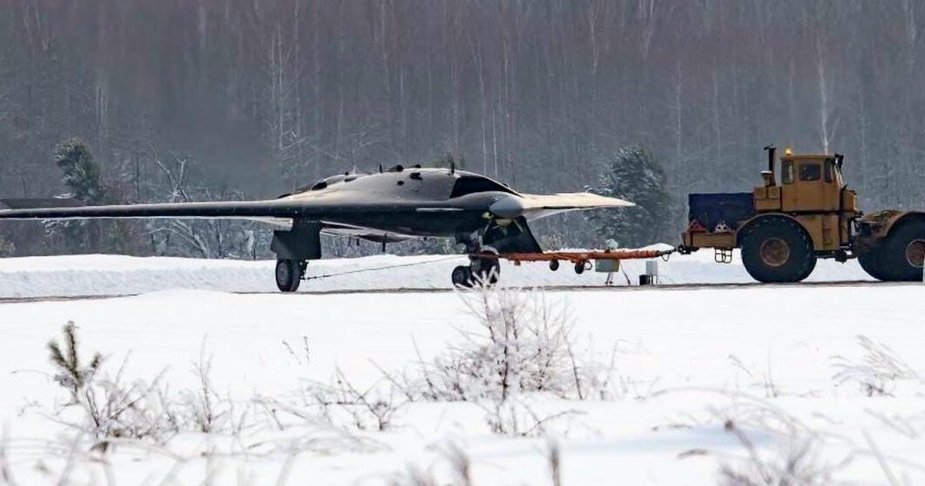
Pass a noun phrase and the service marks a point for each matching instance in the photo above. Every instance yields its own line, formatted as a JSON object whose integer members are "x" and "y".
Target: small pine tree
{"x": 71, "y": 374}
{"x": 635, "y": 175}
{"x": 81, "y": 173}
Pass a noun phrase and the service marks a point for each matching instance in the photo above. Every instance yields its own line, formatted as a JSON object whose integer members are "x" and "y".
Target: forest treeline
{"x": 251, "y": 98}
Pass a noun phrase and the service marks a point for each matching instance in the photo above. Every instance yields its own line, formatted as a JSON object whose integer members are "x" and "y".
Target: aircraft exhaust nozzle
{"x": 508, "y": 207}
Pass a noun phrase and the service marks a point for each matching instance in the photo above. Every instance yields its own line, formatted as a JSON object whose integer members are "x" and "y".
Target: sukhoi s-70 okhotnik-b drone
{"x": 484, "y": 215}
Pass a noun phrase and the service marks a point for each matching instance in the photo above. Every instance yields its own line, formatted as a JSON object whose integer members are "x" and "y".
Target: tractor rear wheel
{"x": 872, "y": 263}
{"x": 289, "y": 275}
{"x": 777, "y": 250}
{"x": 903, "y": 255}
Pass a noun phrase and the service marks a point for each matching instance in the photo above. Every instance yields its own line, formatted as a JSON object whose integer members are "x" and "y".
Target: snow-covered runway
{"x": 693, "y": 367}
{"x": 112, "y": 275}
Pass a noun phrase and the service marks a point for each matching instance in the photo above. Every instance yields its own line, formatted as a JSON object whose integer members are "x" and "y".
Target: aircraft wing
{"x": 279, "y": 213}
{"x": 271, "y": 211}
{"x": 535, "y": 206}
{"x": 34, "y": 203}
{"x": 368, "y": 234}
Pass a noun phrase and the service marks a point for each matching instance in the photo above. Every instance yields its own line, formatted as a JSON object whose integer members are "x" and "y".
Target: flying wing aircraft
{"x": 392, "y": 205}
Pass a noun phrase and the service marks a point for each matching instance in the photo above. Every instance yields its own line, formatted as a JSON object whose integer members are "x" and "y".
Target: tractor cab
{"x": 806, "y": 183}
{"x": 802, "y": 212}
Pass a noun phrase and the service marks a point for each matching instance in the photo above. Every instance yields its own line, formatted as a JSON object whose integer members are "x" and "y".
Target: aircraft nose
{"x": 508, "y": 207}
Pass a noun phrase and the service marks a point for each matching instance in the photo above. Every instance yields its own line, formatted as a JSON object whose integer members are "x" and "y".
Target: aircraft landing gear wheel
{"x": 903, "y": 252}
{"x": 289, "y": 275}
{"x": 553, "y": 265}
{"x": 462, "y": 277}
{"x": 777, "y": 250}
{"x": 485, "y": 270}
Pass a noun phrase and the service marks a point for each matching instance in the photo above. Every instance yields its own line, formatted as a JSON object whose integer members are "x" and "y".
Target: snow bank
{"x": 122, "y": 275}
{"x": 689, "y": 360}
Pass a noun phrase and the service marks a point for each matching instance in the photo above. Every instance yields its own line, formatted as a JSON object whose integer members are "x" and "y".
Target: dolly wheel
{"x": 580, "y": 268}
{"x": 553, "y": 265}
{"x": 777, "y": 249}
{"x": 903, "y": 252}
{"x": 289, "y": 275}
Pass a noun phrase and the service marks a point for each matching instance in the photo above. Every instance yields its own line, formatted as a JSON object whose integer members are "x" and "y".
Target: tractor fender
{"x": 905, "y": 217}
{"x": 761, "y": 218}
{"x": 875, "y": 227}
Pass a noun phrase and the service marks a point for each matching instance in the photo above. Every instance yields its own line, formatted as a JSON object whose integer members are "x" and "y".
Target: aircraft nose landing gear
{"x": 486, "y": 270}
{"x": 484, "y": 266}
{"x": 481, "y": 271}
{"x": 462, "y": 276}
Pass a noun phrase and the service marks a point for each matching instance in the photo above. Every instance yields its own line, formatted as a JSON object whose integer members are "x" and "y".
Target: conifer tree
{"x": 635, "y": 175}
{"x": 81, "y": 173}
{"x": 71, "y": 373}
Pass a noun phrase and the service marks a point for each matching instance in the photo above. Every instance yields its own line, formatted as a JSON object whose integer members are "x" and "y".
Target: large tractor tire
{"x": 903, "y": 255}
{"x": 810, "y": 268}
{"x": 872, "y": 263}
{"x": 777, "y": 250}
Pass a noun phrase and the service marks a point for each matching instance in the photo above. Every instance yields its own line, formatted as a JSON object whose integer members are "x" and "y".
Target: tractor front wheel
{"x": 777, "y": 250}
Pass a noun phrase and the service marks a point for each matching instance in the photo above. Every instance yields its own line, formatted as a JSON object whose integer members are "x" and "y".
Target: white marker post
{"x": 652, "y": 270}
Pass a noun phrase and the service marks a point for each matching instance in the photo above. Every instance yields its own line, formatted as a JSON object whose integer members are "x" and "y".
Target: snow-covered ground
{"x": 122, "y": 275}
{"x": 697, "y": 375}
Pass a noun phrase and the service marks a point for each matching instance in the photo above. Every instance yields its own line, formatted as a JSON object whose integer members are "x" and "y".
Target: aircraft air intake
{"x": 508, "y": 207}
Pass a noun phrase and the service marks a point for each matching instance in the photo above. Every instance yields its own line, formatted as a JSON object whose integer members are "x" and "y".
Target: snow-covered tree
{"x": 83, "y": 179}
{"x": 81, "y": 173}
{"x": 635, "y": 175}
{"x": 182, "y": 182}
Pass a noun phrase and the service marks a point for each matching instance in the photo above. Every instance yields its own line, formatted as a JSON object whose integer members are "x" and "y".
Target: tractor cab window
{"x": 810, "y": 171}
{"x": 786, "y": 172}
{"x": 833, "y": 172}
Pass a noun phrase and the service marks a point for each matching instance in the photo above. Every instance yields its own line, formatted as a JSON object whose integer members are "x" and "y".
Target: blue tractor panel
{"x": 710, "y": 210}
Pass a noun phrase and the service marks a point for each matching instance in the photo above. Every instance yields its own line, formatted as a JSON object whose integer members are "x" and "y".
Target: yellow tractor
{"x": 803, "y": 212}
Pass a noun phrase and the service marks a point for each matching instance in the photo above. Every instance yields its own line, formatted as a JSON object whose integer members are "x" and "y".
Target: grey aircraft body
{"x": 393, "y": 205}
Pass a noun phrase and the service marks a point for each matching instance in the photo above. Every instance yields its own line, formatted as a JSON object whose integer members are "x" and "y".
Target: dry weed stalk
{"x": 876, "y": 372}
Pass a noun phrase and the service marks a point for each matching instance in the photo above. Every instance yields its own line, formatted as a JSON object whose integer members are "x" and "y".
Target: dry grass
{"x": 876, "y": 372}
